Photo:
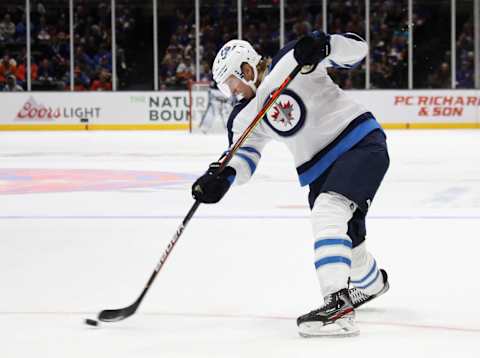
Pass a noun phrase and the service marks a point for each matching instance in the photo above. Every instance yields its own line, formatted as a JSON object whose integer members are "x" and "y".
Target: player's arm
{"x": 213, "y": 185}
{"x": 346, "y": 51}
{"x": 338, "y": 50}
{"x": 245, "y": 160}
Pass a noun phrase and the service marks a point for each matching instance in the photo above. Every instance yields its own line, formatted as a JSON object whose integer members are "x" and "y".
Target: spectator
{"x": 45, "y": 71}
{"x": 41, "y": 8}
{"x": 59, "y": 49}
{"x": 104, "y": 82}
{"x": 43, "y": 34}
{"x": 7, "y": 29}
{"x": 12, "y": 85}
{"x": 81, "y": 82}
{"x": 84, "y": 60}
{"x": 91, "y": 44}
{"x": 125, "y": 21}
{"x": 168, "y": 71}
{"x": 8, "y": 66}
{"x": 21, "y": 75}
{"x": 103, "y": 59}
{"x": 185, "y": 71}
{"x": 21, "y": 30}
{"x": 205, "y": 72}
{"x": 465, "y": 74}
{"x": 441, "y": 78}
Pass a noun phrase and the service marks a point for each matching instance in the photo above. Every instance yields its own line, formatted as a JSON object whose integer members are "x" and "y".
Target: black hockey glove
{"x": 312, "y": 49}
{"x": 212, "y": 186}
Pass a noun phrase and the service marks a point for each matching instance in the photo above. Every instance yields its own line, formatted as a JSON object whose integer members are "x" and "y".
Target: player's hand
{"x": 312, "y": 49}
{"x": 212, "y": 186}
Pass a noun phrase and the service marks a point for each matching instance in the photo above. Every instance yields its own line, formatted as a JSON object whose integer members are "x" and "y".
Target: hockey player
{"x": 339, "y": 150}
{"x": 218, "y": 109}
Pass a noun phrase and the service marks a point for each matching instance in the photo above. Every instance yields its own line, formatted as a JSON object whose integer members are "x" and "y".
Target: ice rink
{"x": 85, "y": 217}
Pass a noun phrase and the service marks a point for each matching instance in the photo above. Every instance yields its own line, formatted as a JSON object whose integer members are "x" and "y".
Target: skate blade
{"x": 343, "y": 327}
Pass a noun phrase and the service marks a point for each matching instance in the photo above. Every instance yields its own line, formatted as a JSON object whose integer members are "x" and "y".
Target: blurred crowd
{"x": 50, "y": 45}
{"x": 50, "y": 57}
{"x": 389, "y": 44}
{"x": 343, "y": 16}
{"x": 466, "y": 55}
{"x": 217, "y": 25}
{"x": 433, "y": 61}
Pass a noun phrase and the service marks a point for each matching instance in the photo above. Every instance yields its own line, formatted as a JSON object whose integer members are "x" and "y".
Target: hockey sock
{"x": 333, "y": 248}
{"x": 365, "y": 274}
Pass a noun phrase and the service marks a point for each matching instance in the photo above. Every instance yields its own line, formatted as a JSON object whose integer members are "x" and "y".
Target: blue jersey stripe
{"x": 250, "y": 150}
{"x": 333, "y": 260}
{"x": 347, "y": 66}
{"x": 353, "y": 36}
{"x": 346, "y": 143}
{"x": 354, "y": 123}
{"x": 249, "y": 161}
{"x": 370, "y": 283}
{"x": 328, "y": 242}
{"x": 372, "y": 270}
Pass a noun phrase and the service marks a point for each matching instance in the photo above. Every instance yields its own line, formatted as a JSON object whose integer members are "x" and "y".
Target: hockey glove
{"x": 212, "y": 186}
{"x": 312, "y": 49}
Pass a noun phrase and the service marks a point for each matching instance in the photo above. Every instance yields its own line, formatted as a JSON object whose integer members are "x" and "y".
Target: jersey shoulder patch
{"x": 287, "y": 115}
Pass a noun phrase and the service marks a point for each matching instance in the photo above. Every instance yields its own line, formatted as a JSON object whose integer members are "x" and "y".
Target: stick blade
{"x": 118, "y": 314}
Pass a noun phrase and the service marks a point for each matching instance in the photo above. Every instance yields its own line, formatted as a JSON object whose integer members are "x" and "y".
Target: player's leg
{"x": 348, "y": 185}
{"x": 367, "y": 280}
{"x": 371, "y": 155}
{"x": 331, "y": 213}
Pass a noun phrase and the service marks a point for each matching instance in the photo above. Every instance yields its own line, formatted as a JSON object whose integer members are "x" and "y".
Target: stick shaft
{"x": 169, "y": 248}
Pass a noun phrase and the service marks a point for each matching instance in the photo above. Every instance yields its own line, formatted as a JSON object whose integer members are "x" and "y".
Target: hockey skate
{"x": 359, "y": 298}
{"x": 336, "y": 318}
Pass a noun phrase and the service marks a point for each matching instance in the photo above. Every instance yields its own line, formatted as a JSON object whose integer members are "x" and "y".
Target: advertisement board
{"x": 169, "y": 110}
{"x": 422, "y": 108}
{"x": 94, "y": 110}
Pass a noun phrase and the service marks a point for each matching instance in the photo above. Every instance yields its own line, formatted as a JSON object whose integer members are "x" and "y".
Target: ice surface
{"x": 85, "y": 216}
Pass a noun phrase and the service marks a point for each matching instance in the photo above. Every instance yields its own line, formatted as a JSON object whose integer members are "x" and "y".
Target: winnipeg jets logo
{"x": 287, "y": 114}
{"x": 283, "y": 113}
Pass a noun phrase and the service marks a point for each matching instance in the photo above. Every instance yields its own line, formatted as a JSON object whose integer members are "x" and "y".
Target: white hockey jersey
{"x": 313, "y": 116}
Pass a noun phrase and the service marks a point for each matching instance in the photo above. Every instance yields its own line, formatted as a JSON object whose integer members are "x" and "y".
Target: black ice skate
{"x": 359, "y": 298}
{"x": 336, "y": 318}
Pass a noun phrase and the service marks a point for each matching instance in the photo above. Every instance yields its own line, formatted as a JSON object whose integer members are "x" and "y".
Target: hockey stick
{"x": 122, "y": 313}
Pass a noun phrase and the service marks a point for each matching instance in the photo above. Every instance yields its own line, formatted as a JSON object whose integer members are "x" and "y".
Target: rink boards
{"x": 169, "y": 110}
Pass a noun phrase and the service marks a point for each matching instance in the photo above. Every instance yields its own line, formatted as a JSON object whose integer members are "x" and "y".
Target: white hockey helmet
{"x": 229, "y": 62}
